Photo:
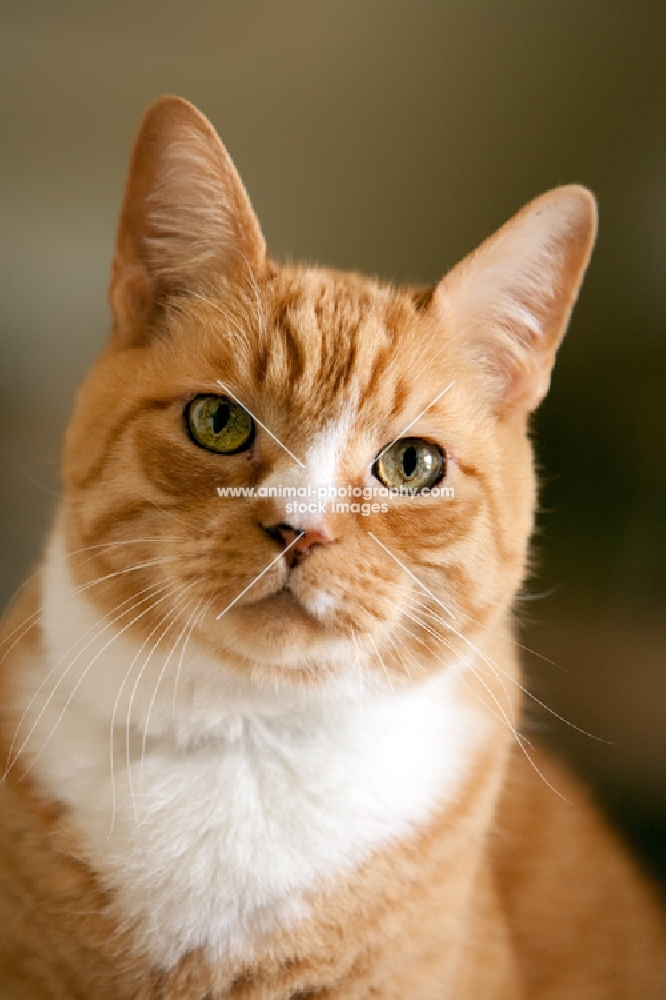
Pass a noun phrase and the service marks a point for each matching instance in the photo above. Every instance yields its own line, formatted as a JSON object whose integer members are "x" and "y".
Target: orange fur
{"x": 507, "y": 891}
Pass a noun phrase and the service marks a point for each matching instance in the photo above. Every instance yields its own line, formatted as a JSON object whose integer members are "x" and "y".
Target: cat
{"x": 262, "y": 746}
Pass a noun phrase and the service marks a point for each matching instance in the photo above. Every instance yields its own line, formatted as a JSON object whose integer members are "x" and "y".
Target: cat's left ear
{"x": 509, "y": 302}
{"x": 186, "y": 218}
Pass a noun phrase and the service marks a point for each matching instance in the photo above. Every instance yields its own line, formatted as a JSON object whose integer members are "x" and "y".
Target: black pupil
{"x": 409, "y": 461}
{"x": 221, "y": 417}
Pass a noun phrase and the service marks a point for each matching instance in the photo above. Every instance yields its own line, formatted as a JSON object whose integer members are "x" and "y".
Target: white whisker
{"x": 359, "y": 665}
{"x": 169, "y": 614}
{"x": 159, "y": 680}
{"x": 526, "y": 691}
{"x": 38, "y": 615}
{"x": 69, "y": 649}
{"x": 379, "y": 656}
{"x": 74, "y": 552}
{"x": 522, "y": 741}
{"x": 74, "y": 690}
{"x": 194, "y": 625}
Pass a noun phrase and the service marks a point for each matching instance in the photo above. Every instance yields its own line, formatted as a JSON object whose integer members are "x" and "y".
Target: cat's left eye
{"x": 219, "y": 424}
{"x": 411, "y": 464}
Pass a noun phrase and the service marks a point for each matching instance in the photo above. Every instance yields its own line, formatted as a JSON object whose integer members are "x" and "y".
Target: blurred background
{"x": 390, "y": 137}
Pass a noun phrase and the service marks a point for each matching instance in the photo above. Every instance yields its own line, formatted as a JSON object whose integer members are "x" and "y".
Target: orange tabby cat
{"x": 266, "y": 745}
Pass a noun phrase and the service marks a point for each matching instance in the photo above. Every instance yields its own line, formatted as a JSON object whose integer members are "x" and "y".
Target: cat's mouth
{"x": 286, "y": 610}
{"x": 283, "y": 602}
{"x": 275, "y": 628}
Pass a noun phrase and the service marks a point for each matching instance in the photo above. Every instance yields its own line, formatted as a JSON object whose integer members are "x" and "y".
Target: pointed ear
{"x": 509, "y": 302}
{"x": 185, "y": 218}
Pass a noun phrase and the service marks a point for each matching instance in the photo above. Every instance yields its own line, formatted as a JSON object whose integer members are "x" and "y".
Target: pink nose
{"x": 303, "y": 541}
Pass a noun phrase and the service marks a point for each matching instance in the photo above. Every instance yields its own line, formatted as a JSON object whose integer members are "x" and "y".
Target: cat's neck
{"x": 236, "y": 806}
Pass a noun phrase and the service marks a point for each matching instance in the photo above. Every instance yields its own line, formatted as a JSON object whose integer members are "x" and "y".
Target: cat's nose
{"x": 301, "y": 541}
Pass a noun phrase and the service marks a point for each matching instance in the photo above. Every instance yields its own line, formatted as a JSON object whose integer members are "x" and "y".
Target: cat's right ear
{"x": 186, "y": 219}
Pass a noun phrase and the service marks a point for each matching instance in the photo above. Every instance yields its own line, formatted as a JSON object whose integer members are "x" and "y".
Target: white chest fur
{"x": 215, "y": 841}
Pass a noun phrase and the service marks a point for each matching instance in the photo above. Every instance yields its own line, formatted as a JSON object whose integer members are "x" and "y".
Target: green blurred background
{"x": 390, "y": 137}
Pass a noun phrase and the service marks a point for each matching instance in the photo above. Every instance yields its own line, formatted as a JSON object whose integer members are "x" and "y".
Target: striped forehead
{"x": 330, "y": 356}
{"x": 326, "y": 331}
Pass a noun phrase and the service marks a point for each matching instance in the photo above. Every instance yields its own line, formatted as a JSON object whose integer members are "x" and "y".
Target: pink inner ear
{"x": 509, "y": 302}
{"x": 186, "y": 218}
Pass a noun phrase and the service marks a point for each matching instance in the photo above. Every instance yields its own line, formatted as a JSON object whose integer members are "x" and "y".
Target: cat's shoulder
{"x": 572, "y": 893}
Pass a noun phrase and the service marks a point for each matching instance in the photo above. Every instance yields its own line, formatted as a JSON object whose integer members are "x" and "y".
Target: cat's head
{"x": 226, "y": 370}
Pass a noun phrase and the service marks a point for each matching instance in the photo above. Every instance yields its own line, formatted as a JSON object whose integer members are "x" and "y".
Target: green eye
{"x": 218, "y": 424}
{"x": 411, "y": 464}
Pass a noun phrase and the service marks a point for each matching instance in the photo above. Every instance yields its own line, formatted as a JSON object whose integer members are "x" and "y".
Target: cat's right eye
{"x": 219, "y": 424}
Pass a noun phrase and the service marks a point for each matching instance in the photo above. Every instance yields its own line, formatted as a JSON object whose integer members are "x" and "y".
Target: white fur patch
{"x": 245, "y": 800}
{"x": 321, "y": 603}
{"x": 319, "y": 471}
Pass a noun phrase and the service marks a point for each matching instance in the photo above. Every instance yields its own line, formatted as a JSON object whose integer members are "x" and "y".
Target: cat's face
{"x": 227, "y": 371}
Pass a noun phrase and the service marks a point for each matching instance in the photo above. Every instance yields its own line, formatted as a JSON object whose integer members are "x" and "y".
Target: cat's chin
{"x": 278, "y": 628}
